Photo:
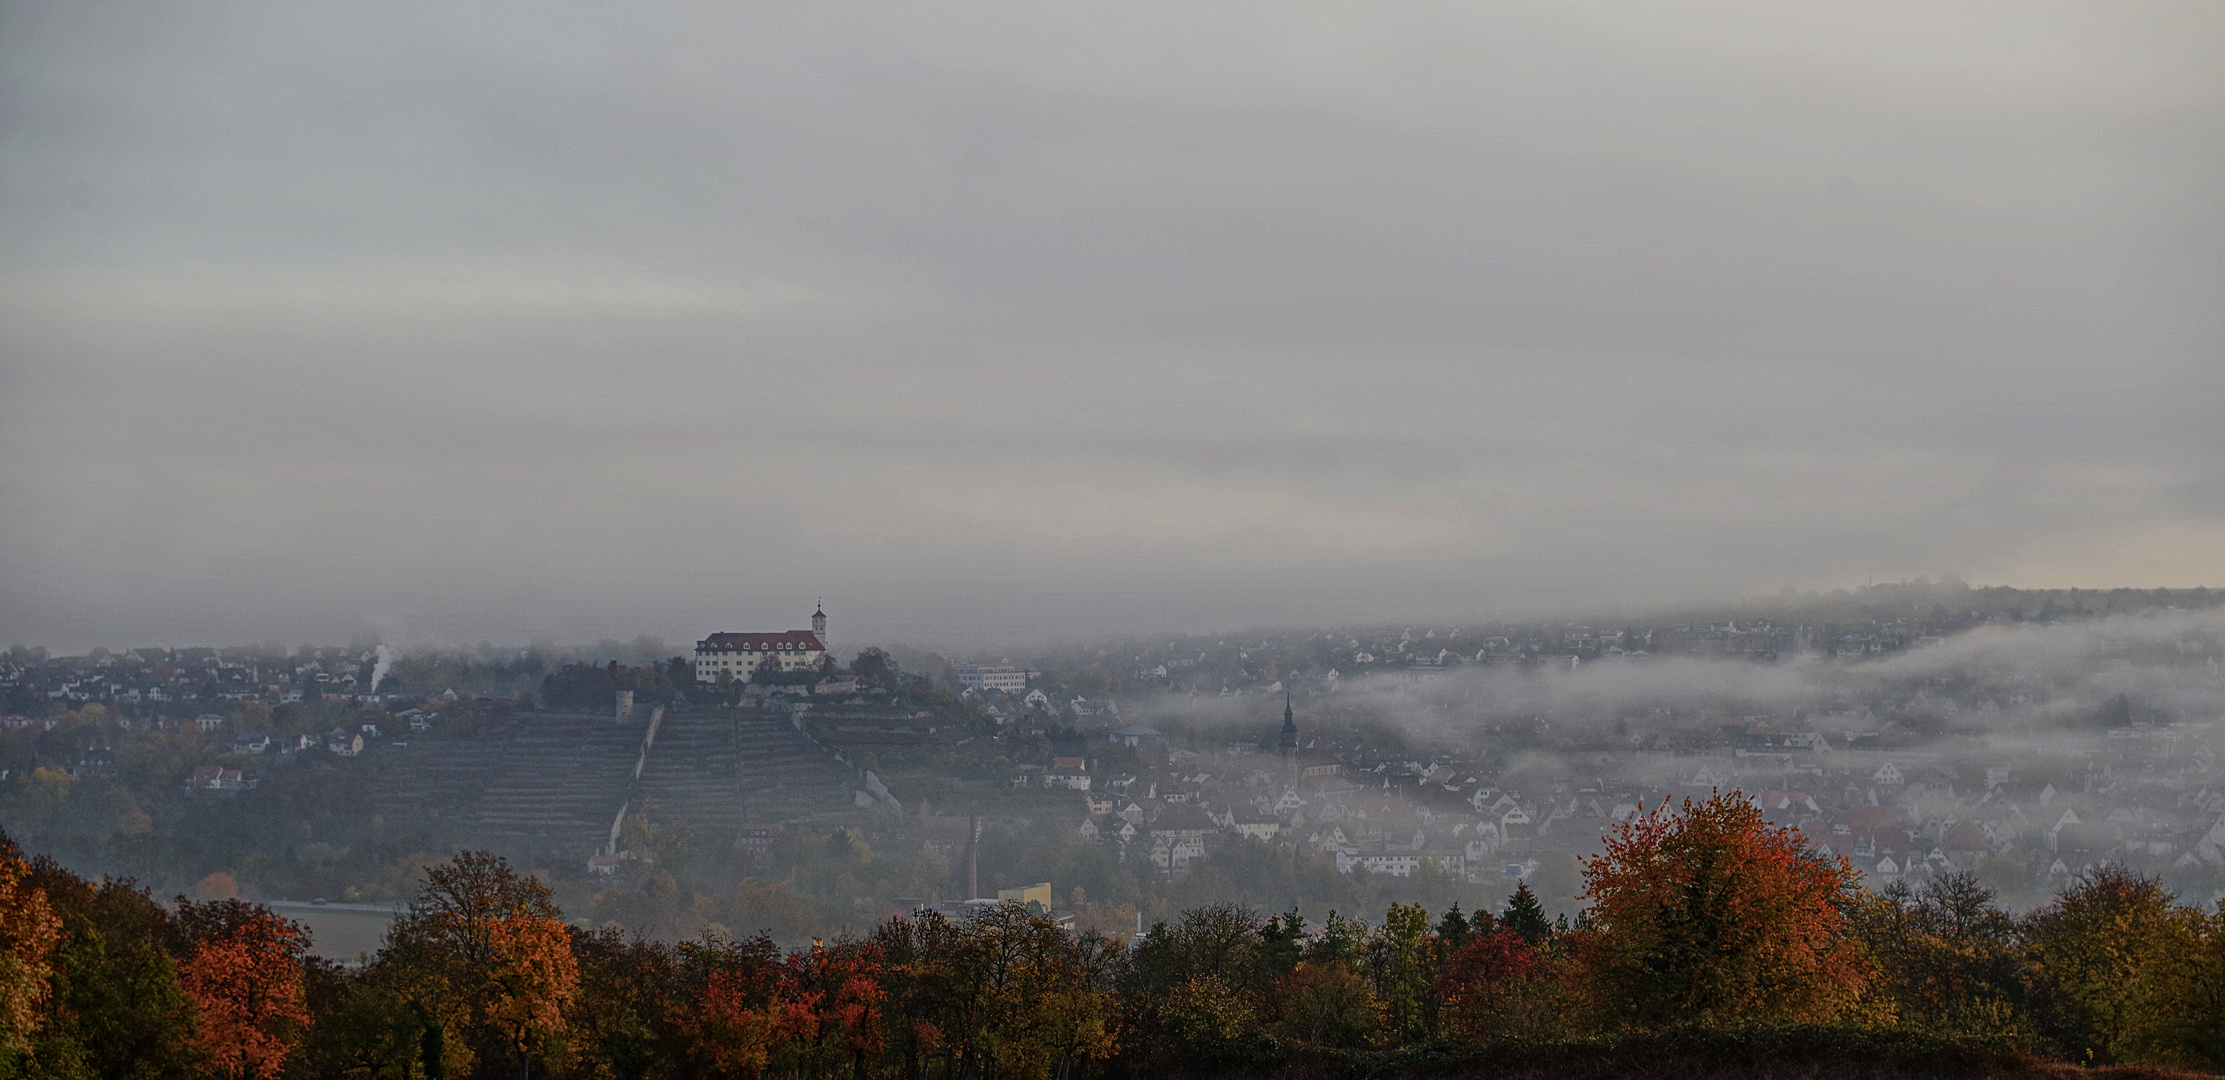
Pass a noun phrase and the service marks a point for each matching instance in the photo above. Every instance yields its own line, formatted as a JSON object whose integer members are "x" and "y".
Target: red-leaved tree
{"x": 836, "y": 1006}
{"x": 1712, "y": 914}
{"x": 1500, "y": 987}
{"x": 741, "y": 1007}
{"x": 243, "y": 974}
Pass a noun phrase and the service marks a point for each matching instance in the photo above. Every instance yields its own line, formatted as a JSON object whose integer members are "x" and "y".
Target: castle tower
{"x": 819, "y": 624}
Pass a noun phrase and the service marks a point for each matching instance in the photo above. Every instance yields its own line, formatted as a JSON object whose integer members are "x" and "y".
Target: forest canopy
{"x": 1702, "y": 918}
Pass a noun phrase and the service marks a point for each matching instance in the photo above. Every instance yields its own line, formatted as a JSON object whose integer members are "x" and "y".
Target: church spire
{"x": 1289, "y": 739}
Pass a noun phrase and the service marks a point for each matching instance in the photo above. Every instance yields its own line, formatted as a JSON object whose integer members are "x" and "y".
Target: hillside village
{"x": 2026, "y": 814}
{"x": 1440, "y": 762}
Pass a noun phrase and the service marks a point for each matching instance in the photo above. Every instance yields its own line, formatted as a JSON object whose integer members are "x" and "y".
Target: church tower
{"x": 819, "y": 624}
{"x": 1287, "y": 746}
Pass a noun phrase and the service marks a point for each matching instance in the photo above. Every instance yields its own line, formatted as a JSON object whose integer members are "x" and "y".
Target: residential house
{"x": 220, "y": 779}
{"x": 1071, "y": 773}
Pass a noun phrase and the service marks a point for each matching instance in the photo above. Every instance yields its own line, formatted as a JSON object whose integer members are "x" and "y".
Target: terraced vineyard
{"x": 784, "y": 776}
{"x": 556, "y": 782}
{"x": 560, "y": 781}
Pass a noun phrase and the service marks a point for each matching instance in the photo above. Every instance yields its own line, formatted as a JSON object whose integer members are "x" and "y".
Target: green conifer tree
{"x": 1525, "y": 916}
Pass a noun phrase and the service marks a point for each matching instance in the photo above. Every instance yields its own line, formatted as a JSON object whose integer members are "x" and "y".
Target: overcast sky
{"x": 480, "y": 320}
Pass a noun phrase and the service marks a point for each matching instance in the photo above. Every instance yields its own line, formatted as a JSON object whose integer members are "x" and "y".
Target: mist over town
{"x": 1066, "y": 541}
{"x": 1917, "y": 728}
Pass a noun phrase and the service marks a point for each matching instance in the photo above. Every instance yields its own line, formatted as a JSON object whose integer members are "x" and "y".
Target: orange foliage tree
{"x": 537, "y": 975}
{"x": 1711, "y": 914}
{"x": 244, "y": 977}
{"x": 28, "y": 930}
{"x": 740, "y": 1005}
{"x": 475, "y": 922}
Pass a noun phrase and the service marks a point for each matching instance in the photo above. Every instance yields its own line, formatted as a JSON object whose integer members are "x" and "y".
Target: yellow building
{"x": 1036, "y": 898}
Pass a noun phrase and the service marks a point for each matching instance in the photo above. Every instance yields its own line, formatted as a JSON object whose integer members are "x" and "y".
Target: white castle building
{"x": 740, "y": 654}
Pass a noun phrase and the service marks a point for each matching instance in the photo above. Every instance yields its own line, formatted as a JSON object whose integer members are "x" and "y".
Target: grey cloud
{"x": 517, "y": 320}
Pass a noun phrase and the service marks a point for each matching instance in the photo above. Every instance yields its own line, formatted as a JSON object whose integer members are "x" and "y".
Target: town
{"x": 1916, "y": 729}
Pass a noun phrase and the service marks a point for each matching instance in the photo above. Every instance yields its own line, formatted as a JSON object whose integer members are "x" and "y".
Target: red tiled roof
{"x": 1184, "y": 819}
{"x": 1966, "y": 837}
{"x": 796, "y": 640}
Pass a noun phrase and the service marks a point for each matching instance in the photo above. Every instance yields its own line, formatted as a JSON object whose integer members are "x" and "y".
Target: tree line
{"x": 1700, "y": 917}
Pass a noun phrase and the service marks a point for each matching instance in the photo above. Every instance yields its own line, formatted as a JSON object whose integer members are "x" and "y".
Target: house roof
{"x": 1184, "y": 819}
{"x": 801, "y": 640}
{"x": 1966, "y": 837}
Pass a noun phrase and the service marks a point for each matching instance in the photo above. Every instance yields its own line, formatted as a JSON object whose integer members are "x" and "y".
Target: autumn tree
{"x": 1080, "y": 1015}
{"x": 535, "y": 976}
{"x": 370, "y": 1031}
{"x": 1497, "y": 986}
{"x": 115, "y": 1007}
{"x": 474, "y": 952}
{"x": 1325, "y": 1004}
{"x": 735, "y": 1012}
{"x": 1711, "y": 914}
{"x": 28, "y": 927}
{"x": 837, "y": 1000}
{"x": 1402, "y": 962}
{"x": 2177, "y": 1016}
{"x": 1947, "y": 958}
{"x": 1005, "y": 992}
{"x": 1003, "y": 961}
{"x": 243, "y": 973}
{"x": 629, "y": 1009}
{"x": 1205, "y": 1017}
{"x": 920, "y": 989}
{"x": 2098, "y": 952}
{"x": 1203, "y": 980}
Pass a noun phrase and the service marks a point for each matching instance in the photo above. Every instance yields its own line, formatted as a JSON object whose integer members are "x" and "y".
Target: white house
{"x": 1073, "y": 779}
{"x": 1139, "y": 737}
{"x": 1005, "y": 677}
